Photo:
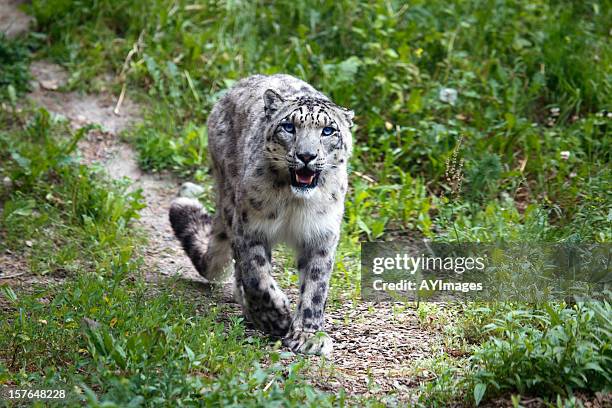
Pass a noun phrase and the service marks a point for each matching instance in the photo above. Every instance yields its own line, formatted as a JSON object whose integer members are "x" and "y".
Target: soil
{"x": 13, "y": 21}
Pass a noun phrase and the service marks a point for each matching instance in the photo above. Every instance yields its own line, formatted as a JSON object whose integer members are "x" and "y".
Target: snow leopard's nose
{"x": 306, "y": 157}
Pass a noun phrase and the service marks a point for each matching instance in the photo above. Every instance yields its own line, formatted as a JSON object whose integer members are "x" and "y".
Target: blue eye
{"x": 288, "y": 127}
{"x": 328, "y": 131}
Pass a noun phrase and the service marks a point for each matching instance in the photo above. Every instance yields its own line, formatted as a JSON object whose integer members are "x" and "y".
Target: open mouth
{"x": 304, "y": 178}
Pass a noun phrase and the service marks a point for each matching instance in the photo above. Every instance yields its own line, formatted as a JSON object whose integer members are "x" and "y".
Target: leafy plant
{"x": 526, "y": 345}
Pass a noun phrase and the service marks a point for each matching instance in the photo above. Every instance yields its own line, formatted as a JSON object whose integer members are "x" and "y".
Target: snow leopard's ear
{"x": 348, "y": 115}
{"x": 272, "y": 102}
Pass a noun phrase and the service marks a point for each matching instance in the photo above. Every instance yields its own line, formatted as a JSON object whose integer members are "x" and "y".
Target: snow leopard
{"x": 279, "y": 151}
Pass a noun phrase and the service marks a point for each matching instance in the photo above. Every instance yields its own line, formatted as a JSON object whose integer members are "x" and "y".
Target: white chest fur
{"x": 298, "y": 220}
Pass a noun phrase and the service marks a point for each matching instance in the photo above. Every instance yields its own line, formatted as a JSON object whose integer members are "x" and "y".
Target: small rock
{"x": 49, "y": 84}
{"x": 191, "y": 190}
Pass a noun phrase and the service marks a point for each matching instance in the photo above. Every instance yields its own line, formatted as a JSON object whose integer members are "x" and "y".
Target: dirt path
{"x": 163, "y": 254}
{"x": 375, "y": 345}
{"x": 13, "y": 22}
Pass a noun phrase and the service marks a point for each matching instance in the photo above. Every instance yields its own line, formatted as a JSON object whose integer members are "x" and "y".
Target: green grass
{"x": 56, "y": 198}
{"x": 523, "y": 155}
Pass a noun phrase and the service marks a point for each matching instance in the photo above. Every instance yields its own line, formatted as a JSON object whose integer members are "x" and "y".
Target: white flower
{"x": 448, "y": 95}
{"x": 565, "y": 155}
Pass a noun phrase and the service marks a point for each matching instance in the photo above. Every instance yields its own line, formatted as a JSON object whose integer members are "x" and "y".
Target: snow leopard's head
{"x": 308, "y": 138}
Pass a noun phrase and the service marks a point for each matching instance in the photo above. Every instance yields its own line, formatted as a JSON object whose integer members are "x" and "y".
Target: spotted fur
{"x": 280, "y": 176}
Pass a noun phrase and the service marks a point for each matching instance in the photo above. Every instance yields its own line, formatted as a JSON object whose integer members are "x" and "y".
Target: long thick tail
{"x": 192, "y": 226}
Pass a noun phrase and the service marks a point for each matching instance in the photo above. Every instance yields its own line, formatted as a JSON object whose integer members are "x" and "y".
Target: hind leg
{"x": 219, "y": 252}
{"x": 204, "y": 240}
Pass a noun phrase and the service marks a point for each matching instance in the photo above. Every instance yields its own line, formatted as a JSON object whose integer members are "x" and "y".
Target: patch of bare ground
{"x": 118, "y": 159}
{"x": 79, "y": 108}
{"x": 13, "y": 22}
{"x": 375, "y": 350}
{"x": 163, "y": 256}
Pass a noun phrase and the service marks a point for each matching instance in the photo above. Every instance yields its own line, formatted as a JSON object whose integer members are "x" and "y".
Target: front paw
{"x": 317, "y": 343}
{"x": 271, "y": 315}
{"x": 270, "y": 321}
